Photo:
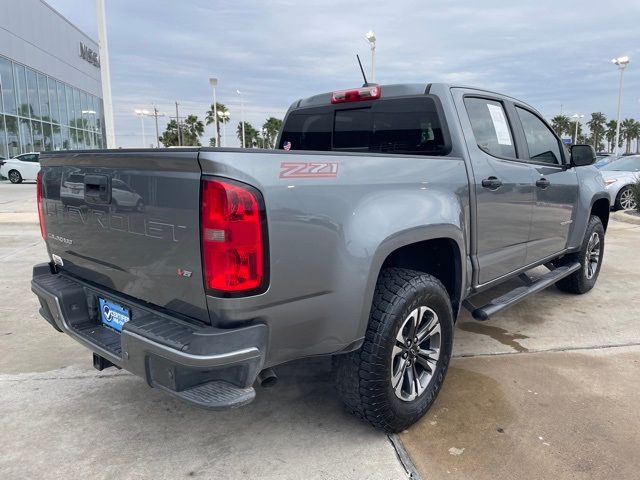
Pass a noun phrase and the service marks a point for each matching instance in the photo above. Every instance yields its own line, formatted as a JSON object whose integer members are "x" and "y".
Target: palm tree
{"x": 190, "y": 131}
{"x": 223, "y": 117}
{"x": 628, "y": 132}
{"x": 596, "y": 126}
{"x": 561, "y": 124}
{"x": 193, "y": 130}
{"x": 250, "y": 134}
{"x": 610, "y": 134}
{"x": 271, "y": 128}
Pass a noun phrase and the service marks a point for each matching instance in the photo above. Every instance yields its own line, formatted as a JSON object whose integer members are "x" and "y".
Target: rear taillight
{"x": 233, "y": 239}
{"x": 356, "y": 95}
{"x": 43, "y": 228}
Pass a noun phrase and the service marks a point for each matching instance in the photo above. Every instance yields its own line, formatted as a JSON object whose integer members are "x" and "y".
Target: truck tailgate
{"x": 128, "y": 221}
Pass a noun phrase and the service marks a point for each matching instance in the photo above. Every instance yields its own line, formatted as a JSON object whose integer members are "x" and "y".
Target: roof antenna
{"x": 366, "y": 84}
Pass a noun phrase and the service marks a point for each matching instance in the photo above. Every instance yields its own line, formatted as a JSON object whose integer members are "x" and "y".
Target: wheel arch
{"x": 438, "y": 250}
{"x": 601, "y": 208}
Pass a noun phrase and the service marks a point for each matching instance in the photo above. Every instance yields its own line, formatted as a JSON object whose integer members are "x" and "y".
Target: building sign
{"x": 89, "y": 55}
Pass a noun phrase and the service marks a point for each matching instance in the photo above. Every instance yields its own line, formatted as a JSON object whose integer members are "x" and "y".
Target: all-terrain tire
{"x": 363, "y": 377}
{"x": 579, "y": 281}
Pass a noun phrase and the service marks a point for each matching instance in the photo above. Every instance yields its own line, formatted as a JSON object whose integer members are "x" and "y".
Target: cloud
{"x": 547, "y": 53}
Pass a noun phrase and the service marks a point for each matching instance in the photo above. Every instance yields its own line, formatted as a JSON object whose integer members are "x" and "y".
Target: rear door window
{"x": 490, "y": 126}
{"x": 403, "y": 126}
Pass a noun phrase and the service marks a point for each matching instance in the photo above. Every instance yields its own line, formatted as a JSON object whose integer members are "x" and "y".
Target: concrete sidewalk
{"x": 555, "y": 415}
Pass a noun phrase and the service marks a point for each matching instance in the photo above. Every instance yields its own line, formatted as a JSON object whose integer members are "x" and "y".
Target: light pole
{"x": 224, "y": 116}
{"x": 141, "y": 114}
{"x": 371, "y": 38}
{"x": 241, "y": 114}
{"x": 575, "y": 134}
{"x": 103, "y": 49}
{"x": 622, "y": 63}
{"x": 156, "y": 114}
{"x": 214, "y": 82}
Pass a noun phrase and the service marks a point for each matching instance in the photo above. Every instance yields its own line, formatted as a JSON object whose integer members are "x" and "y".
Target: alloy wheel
{"x": 626, "y": 199}
{"x": 416, "y": 352}
{"x": 592, "y": 257}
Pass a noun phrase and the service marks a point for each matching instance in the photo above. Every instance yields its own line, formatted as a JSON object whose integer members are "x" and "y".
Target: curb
{"x": 627, "y": 217}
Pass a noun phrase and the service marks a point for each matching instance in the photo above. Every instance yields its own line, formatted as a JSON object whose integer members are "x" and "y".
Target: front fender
{"x": 592, "y": 189}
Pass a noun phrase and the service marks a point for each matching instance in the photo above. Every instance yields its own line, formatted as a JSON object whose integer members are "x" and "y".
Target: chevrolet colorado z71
{"x": 384, "y": 210}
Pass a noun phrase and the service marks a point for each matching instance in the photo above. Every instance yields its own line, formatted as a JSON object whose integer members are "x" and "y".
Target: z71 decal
{"x": 308, "y": 170}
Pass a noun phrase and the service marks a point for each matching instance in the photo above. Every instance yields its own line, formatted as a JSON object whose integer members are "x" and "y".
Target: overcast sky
{"x": 551, "y": 54}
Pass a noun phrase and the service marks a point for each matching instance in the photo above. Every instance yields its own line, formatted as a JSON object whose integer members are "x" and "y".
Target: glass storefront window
{"x": 78, "y": 108}
{"x": 39, "y": 113}
{"x": 66, "y": 139}
{"x": 57, "y": 137}
{"x": 48, "y": 136}
{"x": 38, "y": 136}
{"x": 43, "y": 94}
{"x": 7, "y": 87}
{"x": 3, "y": 139}
{"x": 85, "y": 107}
{"x": 13, "y": 137}
{"x": 21, "y": 83}
{"x": 70, "y": 106}
{"x": 32, "y": 93}
{"x": 62, "y": 104}
{"x": 53, "y": 101}
{"x": 25, "y": 135}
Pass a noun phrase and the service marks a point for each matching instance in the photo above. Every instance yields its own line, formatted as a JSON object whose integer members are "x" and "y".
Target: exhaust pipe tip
{"x": 267, "y": 378}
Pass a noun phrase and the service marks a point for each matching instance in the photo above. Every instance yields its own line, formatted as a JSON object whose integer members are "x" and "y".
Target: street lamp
{"x": 214, "y": 82}
{"x": 241, "y": 114}
{"x": 371, "y": 38}
{"x": 224, "y": 117}
{"x": 622, "y": 63}
{"x": 575, "y": 135}
{"x": 141, "y": 114}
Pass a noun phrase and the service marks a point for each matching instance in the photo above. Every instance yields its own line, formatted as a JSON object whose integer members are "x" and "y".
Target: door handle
{"x": 543, "y": 183}
{"x": 492, "y": 183}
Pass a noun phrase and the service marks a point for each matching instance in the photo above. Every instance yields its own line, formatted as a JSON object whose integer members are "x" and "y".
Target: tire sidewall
{"x": 421, "y": 295}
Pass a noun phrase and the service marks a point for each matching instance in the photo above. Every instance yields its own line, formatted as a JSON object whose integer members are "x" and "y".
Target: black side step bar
{"x": 520, "y": 293}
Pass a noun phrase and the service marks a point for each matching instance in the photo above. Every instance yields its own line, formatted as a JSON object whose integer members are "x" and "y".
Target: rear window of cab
{"x": 411, "y": 125}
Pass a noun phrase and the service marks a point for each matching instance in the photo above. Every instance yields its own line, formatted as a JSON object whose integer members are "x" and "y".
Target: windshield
{"x": 627, "y": 164}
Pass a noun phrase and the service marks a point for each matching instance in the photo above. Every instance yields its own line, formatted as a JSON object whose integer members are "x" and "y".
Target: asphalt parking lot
{"x": 548, "y": 389}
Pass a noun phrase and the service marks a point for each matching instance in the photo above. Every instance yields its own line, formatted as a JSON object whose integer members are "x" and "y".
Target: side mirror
{"x": 582, "y": 155}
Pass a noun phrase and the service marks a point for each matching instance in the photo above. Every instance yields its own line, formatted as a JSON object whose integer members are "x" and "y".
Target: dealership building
{"x": 50, "y": 87}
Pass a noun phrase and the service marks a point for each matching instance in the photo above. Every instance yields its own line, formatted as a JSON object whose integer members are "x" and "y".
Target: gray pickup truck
{"x": 383, "y": 212}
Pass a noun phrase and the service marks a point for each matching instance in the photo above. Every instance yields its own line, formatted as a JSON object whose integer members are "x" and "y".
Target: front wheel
{"x": 590, "y": 258}
{"x": 394, "y": 378}
{"x": 15, "y": 177}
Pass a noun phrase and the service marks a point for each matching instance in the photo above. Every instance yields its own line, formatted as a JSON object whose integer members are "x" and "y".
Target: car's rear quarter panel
{"x": 329, "y": 235}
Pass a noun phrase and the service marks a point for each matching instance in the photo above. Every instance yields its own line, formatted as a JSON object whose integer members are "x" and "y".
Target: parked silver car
{"x": 618, "y": 176}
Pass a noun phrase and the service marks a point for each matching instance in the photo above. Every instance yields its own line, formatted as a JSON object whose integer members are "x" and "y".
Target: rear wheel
{"x": 393, "y": 379}
{"x": 624, "y": 199}
{"x": 589, "y": 257}
{"x": 15, "y": 177}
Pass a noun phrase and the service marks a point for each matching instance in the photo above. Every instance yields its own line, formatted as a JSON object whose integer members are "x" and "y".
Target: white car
{"x": 618, "y": 176}
{"x": 21, "y": 167}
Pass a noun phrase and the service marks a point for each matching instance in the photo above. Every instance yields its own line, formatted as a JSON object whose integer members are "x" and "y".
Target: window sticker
{"x": 500, "y": 124}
